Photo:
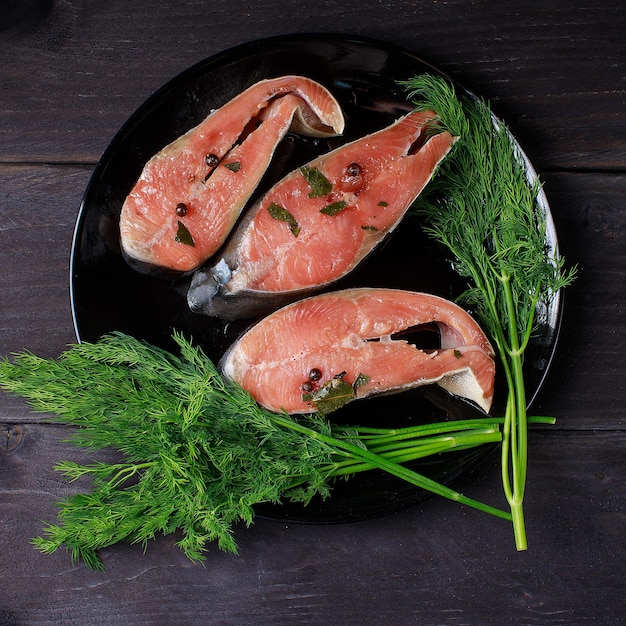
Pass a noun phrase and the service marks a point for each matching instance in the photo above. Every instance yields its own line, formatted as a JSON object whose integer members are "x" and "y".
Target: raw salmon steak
{"x": 349, "y": 343}
{"x": 321, "y": 220}
{"x": 190, "y": 194}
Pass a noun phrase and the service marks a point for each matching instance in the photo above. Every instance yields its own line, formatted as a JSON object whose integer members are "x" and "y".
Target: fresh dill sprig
{"x": 198, "y": 452}
{"x": 483, "y": 206}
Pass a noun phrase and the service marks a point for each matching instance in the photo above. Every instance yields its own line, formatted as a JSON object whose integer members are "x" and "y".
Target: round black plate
{"x": 107, "y": 294}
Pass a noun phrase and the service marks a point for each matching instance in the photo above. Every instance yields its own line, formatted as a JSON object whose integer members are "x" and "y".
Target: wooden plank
{"x": 437, "y": 562}
{"x": 585, "y": 387}
{"x": 71, "y": 74}
{"x": 37, "y": 216}
{"x": 42, "y": 204}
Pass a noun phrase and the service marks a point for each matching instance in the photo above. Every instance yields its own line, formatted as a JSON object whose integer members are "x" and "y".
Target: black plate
{"x": 108, "y": 295}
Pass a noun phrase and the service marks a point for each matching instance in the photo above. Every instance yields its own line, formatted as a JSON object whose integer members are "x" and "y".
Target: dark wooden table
{"x": 72, "y": 71}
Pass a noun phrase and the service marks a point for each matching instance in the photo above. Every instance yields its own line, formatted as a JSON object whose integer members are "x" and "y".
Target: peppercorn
{"x": 211, "y": 160}
{"x": 354, "y": 169}
{"x": 315, "y": 374}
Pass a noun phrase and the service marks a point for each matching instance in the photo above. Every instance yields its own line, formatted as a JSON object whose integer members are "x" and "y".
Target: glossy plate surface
{"x": 107, "y": 294}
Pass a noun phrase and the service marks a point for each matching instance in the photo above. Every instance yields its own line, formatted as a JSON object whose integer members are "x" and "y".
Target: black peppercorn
{"x": 181, "y": 209}
{"x": 315, "y": 374}
{"x": 211, "y": 160}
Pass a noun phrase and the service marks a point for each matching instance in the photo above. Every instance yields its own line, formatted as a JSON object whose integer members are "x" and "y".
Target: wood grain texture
{"x": 72, "y": 71}
{"x": 585, "y": 384}
{"x": 439, "y": 562}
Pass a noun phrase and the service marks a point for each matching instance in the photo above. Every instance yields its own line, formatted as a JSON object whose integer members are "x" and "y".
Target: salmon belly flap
{"x": 189, "y": 195}
{"x": 320, "y": 221}
{"x": 292, "y": 359}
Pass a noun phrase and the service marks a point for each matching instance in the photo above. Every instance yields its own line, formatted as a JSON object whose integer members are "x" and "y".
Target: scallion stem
{"x": 395, "y": 469}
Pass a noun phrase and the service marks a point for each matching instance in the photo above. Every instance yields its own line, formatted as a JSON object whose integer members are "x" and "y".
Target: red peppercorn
{"x": 354, "y": 169}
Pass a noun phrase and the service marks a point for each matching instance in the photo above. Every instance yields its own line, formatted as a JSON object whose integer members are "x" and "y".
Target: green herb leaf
{"x": 383, "y": 203}
{"x": 320, "y": 185}
{"x": 184, "y": 236}
{"x": 361, "y": 379}
{"x": 368, "y": 227}
{"x": 280, "y": 213}
{"x": 233, "y": 166}
{"x": 334, "y": 208}
{"x": 331, "y": 396}
{"x": 336, "y": 392}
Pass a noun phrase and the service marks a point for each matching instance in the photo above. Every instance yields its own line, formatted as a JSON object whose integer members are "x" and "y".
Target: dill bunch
{"x": 483, "y": 207}
{"x": 198, "y": 452}
{"x": 197, "y": 455}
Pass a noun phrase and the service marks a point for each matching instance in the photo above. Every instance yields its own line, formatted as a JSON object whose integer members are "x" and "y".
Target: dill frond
{"x": 483, "y": 207}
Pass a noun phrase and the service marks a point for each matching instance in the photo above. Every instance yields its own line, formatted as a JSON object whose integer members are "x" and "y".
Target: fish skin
{"x": 351, "y": 331}
{"x": 177, "y": 174}
{"x": 264, "y": 265}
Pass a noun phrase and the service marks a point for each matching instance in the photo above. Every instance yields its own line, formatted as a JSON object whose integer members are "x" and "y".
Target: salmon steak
{"x": 321, "y": 352}
{"x": 189, "y": 195}
{"x": 319, "y": 222}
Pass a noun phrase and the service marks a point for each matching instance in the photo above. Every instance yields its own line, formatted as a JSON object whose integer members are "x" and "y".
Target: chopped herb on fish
{"x": 368, "y": 227}
{"x": 334, "y": 208}
{"x": 281, "y": 214}
{"x": 183, "y": 235}
{"x": 233, "y": 166}
{"x": 361, "y": 379}
{"x": 334, "y": 393}
{"x": 383, "y": 203}
{"x": 320, "y": 185}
